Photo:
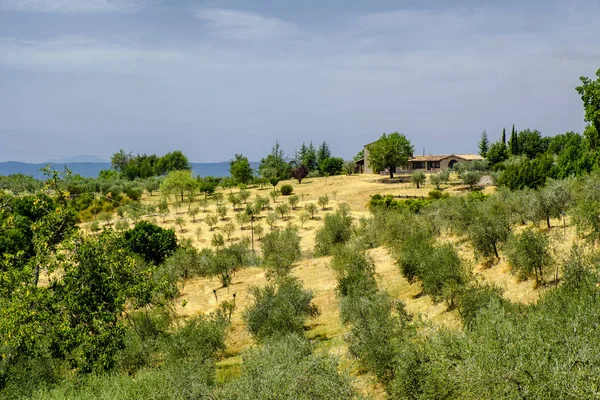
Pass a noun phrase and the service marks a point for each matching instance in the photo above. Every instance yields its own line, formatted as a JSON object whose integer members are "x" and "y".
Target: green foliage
{"x": 323, "y": 153}
{"x": 520, "y": 172}
{"x": 271, "y": 219}
{"x": 336, "y": 230}
{"x": 286, "y": 190}
{"x": 211, "y": 220}
{"x": 294, "y": 200}
{"x": 312, "y": 209}
{"x": 471, "y": 178}
{"x": 354, "y": 270}
{"x": 145, "y": 166}
{"x": 551, "y": 201}
{"x": 226, "y": 261}
{"x": 307, "y": 156}
{"x": 528, "y": 254}
{"x": 484, "y": 144}
{"x": 275, "y": 164}
{"x": 590, "y": 95}
{"x": 150, "y": 241}
{"x": 489, "y": 227}
{"x": 280, "y": 250}
{"x": 497, "y": 153}
{"x": 323, "y": 201}
{"x": 332, "y": 166}
{"x": 279, "y": 309}
{"x": 377, "y": 328}
{"x": 282, "y": 209}
{"x": 388, "y": 202}
{"x": 418, "y": 178}
{"x": 285, "y": 369}
{"x": 586, "y": 212}
{"x": 389, "y": 151}
{"x": 240, "y": 170}
{"x": 178, "y": 183}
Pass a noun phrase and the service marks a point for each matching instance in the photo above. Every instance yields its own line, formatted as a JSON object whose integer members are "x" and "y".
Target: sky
{"x": 219, "y": 77}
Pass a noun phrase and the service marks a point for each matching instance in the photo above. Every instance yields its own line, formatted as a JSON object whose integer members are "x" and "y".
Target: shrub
{"x": 354, "y": 270}
{"x": 311, "y": 208}
{"x": 471, "y": 178}
{"x": 150, "y": 241}
{"x": 280, "y": 250}
{"x": 332, "y": 166}
{"x": 528, "y": 254}
{"x": 323, "y": 201}
{"x": 282, "y": 209}
{"x": 418, "y": 178}
{"x": 293, "y": 200}
{"x": 286, "y": 368}
{"x": 279, "y": 309}
{"x": 336, "y": 230}
{"x": 286, "y": 190}
{"x": 378, "y": 326}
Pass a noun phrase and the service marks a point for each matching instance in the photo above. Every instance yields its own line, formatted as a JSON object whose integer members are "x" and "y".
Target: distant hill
{"x": 92, "y": 169}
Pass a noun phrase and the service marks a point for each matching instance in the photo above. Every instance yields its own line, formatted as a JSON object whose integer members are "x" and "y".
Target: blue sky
{"x": 215, "y": 78}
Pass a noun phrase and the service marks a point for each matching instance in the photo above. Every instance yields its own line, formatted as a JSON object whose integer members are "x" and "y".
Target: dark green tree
{"x": 275, "y": 165}
{"x": 484, "y": 143}
{"x": 240, "y": 170}
{"x": 590, "y": 95}
{"x": 150, "y": 241}
{"x": 390, "y": 151}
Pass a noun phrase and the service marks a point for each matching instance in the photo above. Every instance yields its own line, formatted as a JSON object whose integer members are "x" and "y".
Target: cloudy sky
{"x": 215, "y": 78}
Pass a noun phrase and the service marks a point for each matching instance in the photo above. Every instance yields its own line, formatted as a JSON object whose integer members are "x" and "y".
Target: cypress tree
{"x": 504, "y": 135}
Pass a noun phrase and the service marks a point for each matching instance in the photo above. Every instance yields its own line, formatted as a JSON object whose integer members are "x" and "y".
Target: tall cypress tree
{"x": 513, "y": 143}
{"x": 504, "y": 135}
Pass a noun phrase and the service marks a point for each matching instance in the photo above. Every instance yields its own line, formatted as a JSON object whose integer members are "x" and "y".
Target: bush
{"x": 528, "y": 254}
{"x": 378, "y": 326}
{"x": 279, "y": 309}
{"x": 332, "y": 166}
{"x": 287, "y": 369}
{"x": 336, "y": 230}
{"x": 280, "y": 250}
{"x": 150, "y": 241}
{"x": 355, "y": 272}
{"x": 286, "y": 190}
{"x": 418, "y": 178}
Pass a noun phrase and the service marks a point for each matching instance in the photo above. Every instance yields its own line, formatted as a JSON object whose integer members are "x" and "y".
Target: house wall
{"x": 367, "y": 169}
{"x": 444, "y": 164}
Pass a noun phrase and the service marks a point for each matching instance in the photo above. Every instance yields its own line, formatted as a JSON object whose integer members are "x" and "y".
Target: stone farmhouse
{"x": 431, "y": 163}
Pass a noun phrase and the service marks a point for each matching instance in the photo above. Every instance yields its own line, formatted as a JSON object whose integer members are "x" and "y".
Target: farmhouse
{"x": 425, "y": 162}
{"x": 439, "y": 162}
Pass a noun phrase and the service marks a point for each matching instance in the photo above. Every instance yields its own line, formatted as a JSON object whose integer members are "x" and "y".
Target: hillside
{"x": 197, "y": 295}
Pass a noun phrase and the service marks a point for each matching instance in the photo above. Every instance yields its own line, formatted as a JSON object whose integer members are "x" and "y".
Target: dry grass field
{"x": 197, "y": 294}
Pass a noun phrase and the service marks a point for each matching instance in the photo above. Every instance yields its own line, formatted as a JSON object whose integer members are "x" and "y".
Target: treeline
{"x": 145, "y": 166}
{"x": 308, "y": 161}
{"x": 527, "y": 158}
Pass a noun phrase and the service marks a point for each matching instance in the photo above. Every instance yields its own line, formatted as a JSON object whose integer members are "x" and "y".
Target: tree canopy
{"x": 390, "y": 151}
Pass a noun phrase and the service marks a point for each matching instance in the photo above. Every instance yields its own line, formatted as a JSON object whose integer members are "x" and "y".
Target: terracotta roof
{"x": 440, "y": 157}
{"x": 470, "y": 157}
{"x": 429, "y": 158}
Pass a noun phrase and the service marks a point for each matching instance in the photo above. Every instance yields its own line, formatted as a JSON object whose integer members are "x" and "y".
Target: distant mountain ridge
{"x": 92, "y": 169}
